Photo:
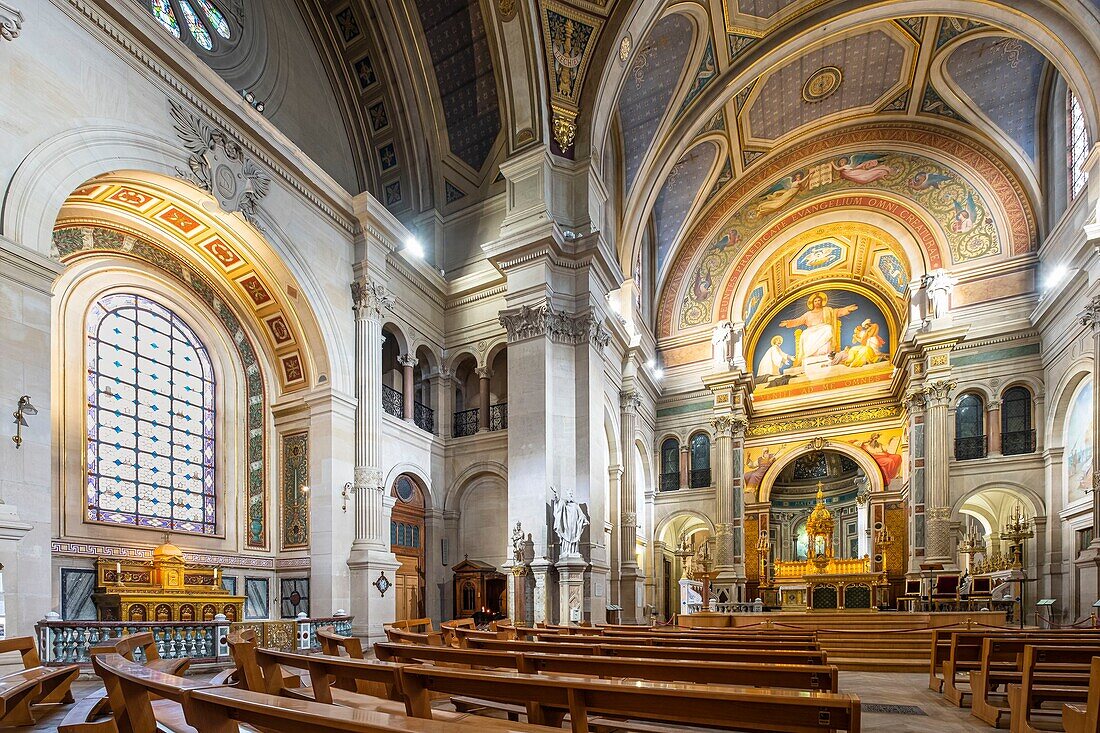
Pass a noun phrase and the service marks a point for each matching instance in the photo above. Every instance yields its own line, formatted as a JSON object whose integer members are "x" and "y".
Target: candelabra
{"x": 1018, "y": 529}
{"x": 763, "y": 550}
{"x": 684, "y": 550}
{"x": 972, "y": 544}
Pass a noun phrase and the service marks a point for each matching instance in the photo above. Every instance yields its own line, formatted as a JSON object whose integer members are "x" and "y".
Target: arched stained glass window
{"x": 215, "y": 18}
{"x": 198, "y": 30}
{"x": 970, "y": 427}
{"x": 150, "y": 419}
{"x": 670, "y": 465}
{"x": 1017, "y": 435}
{"x": 205, "y": 23}
{"x": 700, "y": 461}
{"x": 162, "y": 11}
{"x": 1077, "y": 134}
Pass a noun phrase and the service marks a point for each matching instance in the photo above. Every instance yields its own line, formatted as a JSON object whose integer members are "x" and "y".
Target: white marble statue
{"x": 720, "y": 341}
{"x": 940, "y": 283}
{"x": 918, "y": 303}
{"x": 517, "y": 544}
{"x": 569, "y": 523}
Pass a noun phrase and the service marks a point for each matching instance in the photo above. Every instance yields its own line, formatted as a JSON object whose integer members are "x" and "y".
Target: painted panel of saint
{"x": 830, "y": 338}
{"x": 1078, "y": 444}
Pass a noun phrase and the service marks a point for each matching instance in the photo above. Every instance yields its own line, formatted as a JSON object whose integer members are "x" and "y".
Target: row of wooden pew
{"x": 1031, "y": 680}
{"x": 548, "y": 678}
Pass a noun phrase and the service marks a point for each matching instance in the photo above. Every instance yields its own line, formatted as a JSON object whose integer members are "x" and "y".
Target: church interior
{"x": 621, "y": 365}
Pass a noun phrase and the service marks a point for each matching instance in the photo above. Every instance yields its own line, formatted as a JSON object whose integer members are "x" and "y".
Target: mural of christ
{"x": 822, "y": 324}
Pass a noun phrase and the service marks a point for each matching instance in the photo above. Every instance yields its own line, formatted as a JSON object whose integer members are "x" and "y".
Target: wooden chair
{"x": 945, "y": 593}
{"x": 1077, "y": 718}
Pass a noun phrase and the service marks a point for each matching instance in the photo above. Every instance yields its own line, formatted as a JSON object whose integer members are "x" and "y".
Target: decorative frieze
{"x": 542, "y": 319}
{"x": 11, "y": 22}
{"x": 217, "y": 163}
{"x": 812, "y": 422}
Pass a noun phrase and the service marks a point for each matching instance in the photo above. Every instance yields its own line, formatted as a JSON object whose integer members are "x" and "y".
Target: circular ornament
{"x": 822, "y": 84}
{"x": 624, "y": 48}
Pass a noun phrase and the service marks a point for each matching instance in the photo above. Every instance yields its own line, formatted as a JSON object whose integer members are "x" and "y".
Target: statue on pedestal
{"x": 569, "y": 523}
{"x": 517, "y": 544}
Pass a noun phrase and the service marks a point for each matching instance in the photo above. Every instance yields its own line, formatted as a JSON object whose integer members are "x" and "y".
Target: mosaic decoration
{"x": 1077, "y": 457}
{"x": 295, "y": 495}
{"x": 724, "y": 176}
{"x": 70, "y": 242}
{"x": 705, "y": 74}
{"x": 819, "y": 257}
{"x": 828, "y": 339}
{"x": 899, "y": 103}
{"x": 738, "y": 44}
{"x": 933, "y": 104}
{"x": 952, "y": 201}
{"x": 568, "y": 35}
{"x": 364, "y": 72}
{"x": 913, "y": 26}
{"x": 1001, "y": 75}
{"x": 883, "y": 446}
{"x": 463, "y": 65}
{"x": 348, "y": 25}
{"x": 892, "y": 271}
{"x": 379, "y": 120}
{"x": 150, "y": 427}
{"x": 452, "y": 192}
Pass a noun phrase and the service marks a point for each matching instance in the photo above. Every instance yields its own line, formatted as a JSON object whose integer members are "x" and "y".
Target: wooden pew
{"x": 1051, "y": 674}
{"x": 966, "y": 652}
{"x": 142, "y": 699}
{"x": 1085, "y": 718}
{"x": 33, "y": 685}
{"x": 765, "y": 656}
{"x": 789, "y": 676}
{"x": 336, "y": 645}
{"x": 220, "y": 710}
{"x": 87, "y": 715}
{"x": 588, "y": 700}
{"x": 421, "y": 625}
{"x": 654, "y": 640}
{"x": 431, "y": 638}
{"x": 1002, "y": 664}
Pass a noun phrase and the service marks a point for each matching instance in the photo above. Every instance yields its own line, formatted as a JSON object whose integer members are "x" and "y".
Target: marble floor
{"x": 873, "y": 690}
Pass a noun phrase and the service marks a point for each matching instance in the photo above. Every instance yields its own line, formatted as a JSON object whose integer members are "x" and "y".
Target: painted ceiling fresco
{"x": 1001, "y": 75}
{"x": 679, "y": 192}
{"x": 870, "y": 66}
{"x": 464, "y": 71}
{"x": 655, "y": 71}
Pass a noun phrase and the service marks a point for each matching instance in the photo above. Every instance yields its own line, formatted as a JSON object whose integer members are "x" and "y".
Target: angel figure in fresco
{"x": 780, "y": 194}
{"x": 886, "y": 456}
{"x": 822, "y": 327}
{"x": 862, "y": 168}
{"x": 866, "y": 347}
{"x": 701, "y": 287}
{"x": 924, "y": 181}
{"x": 775, "y": 359}
{"x": 966, "y": 215}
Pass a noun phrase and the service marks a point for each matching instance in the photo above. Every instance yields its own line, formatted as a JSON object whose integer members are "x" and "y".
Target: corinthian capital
{"x": 11, "y": 22}
{"x": 629, "y": 401}
{"x": 1090, "y": 316}
{"x": 368, "y": 298}
{"x": 939, "y": 391}
{"x": 726, "y": 425}
{"x": 542, "y": 319}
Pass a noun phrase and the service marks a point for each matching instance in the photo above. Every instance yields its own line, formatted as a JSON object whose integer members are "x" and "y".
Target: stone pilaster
{"x": 728, "y": 529}
{"x": 1088, "y": 562}
{"x": 631, "y": 577}
{"x": 938, "y": 544}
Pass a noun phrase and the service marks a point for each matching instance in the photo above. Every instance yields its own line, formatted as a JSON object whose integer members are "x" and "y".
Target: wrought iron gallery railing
{"x": 69, "y": 642}
{"x": 968, "y": 449}
{"x": 699, "y": 478}
{"x": 465, "y": 423}
{"x": 1018, "y": 442}
{"x": 670, "y": 481}
{"x": 424, "y": 417}
{"x": 393, "y": 401}
{"x": 498, "y": 416}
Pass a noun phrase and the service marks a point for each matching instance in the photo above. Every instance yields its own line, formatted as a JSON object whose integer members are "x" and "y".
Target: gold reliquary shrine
{"x": 165, "y": 589}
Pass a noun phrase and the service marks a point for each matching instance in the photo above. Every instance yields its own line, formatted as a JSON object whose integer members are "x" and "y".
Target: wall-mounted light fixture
{"x": 23, "y": 408}
{"x": 346, "y": 494}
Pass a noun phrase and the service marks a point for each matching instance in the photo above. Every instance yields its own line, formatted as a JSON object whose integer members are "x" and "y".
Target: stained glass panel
{"x": 150, "y": 394}
{"x": 1078, "y": 147}
{"x": 217, "y": 20}
{"x": 198, "y": 30}
{"x": 162, "y": 11}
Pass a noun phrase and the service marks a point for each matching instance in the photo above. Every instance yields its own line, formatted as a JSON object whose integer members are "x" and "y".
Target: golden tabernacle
{"x": 162, "y": 590}
{"x": 822, "y": 581}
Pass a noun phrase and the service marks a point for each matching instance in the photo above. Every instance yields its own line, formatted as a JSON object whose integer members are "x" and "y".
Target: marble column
{"x": 631, "y": 577}
{"x": 407, "y": 362}
{"x": 727, "y": 524}
{"x": 937, "y": 397}
{"x": 914, "y": 403}
{"x": 370, "y": 559}
{"x": 993, "y": 427}
{"x": 484, "y": 375}
{"x": 685, "y": 465}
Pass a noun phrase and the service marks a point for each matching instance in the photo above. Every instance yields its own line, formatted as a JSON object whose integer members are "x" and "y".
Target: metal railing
{"x": 968, "y": 449}
{"x": 670, "y": 481}
{"x": 393, "y": 401}
{"x": 1018, "y": 442}
{"x": 498, "y": 416}
{"x": 424, "y": 417}
{"x": 699, "y": 478}
{"x": 465, "y": 423}
{"x": 69, "y": 642}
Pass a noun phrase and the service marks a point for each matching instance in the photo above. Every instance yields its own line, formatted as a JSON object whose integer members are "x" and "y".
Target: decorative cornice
{"x": 470, "y": 298}
{"x": 11, "y": 22}
{"x": 81, "y": 548}
{"x": 530, "y": 321}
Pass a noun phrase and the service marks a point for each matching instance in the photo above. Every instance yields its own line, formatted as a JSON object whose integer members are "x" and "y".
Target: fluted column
{"x": 728, "y": 431}
{"x": 630, "y": 574}
{"x": 407, "y": 362}
{"x": 937, "y": 398}
{"x": 370, "y": 557}
{"x": 484, "y": 374}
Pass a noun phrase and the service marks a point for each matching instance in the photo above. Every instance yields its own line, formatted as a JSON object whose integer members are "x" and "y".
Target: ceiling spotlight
{"x": 413, "y": 247}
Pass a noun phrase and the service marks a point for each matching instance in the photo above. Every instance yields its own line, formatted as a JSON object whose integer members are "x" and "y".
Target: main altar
{"x": 165, "y": 589}
{"x": 822, "y": 581}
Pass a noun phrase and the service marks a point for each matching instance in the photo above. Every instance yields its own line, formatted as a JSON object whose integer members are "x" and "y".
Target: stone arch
{"x": 1036, "y": 506}
{"x": 870, "y": 469}
{"x": 979, "y": 388}
{"x": 452, "y": 361}
{"x": 398, "y": 332}
{"x": 1058, "y": 411}
{"x": 419, "y": 473}
{"x": 664, "y": 524}
{"x": 452, "y": 502}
